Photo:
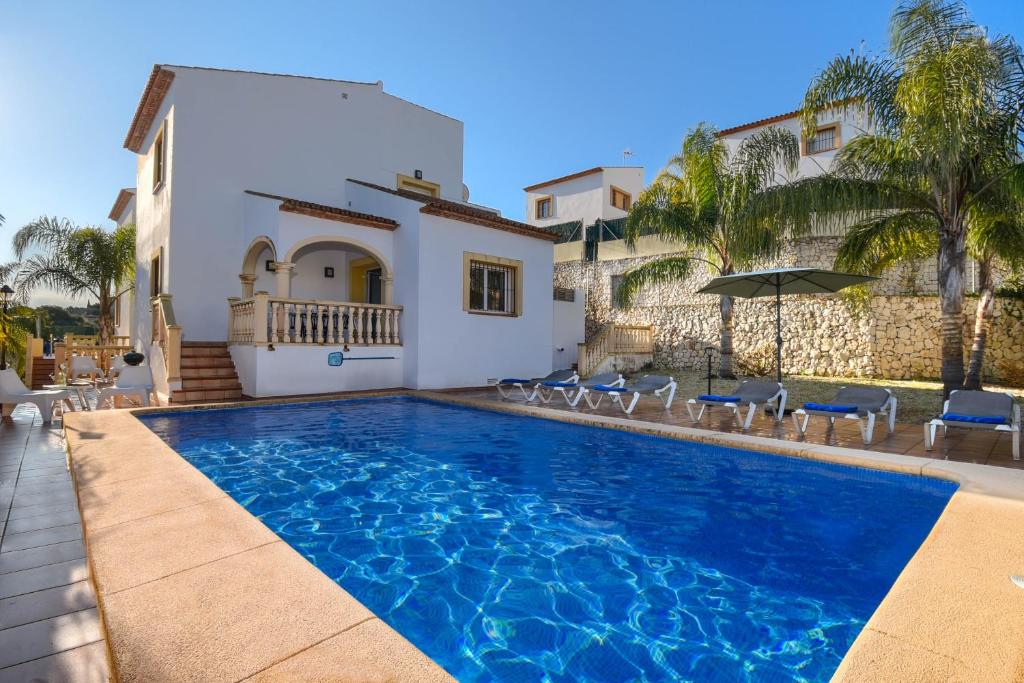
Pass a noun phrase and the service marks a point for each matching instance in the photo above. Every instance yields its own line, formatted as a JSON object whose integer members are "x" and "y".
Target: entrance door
{"x": 373, "y": 287}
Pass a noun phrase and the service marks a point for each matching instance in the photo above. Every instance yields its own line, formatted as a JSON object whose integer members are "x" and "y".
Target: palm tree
{"x": 695, "y": 203}
{"x": 78, "y": 261}
{"x": 945, "y": 106}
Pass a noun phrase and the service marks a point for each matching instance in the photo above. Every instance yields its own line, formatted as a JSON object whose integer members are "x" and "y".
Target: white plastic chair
{"x": 13, "y": 390}
{"x": 134, "y": 381}
{"x": 84, "y": 366}
{"x": 116, "y": 365}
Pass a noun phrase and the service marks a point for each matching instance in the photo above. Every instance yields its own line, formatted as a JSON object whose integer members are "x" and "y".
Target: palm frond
{"x": 874, "y": 246}
{"x": 854, "y": 84}
{"x": 659, "y": 271}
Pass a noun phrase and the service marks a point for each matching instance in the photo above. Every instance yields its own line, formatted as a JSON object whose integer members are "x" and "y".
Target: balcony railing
{"x": 265, "y": 319}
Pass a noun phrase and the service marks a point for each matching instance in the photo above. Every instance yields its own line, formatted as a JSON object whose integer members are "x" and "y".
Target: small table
{"x": 78, "y": 387}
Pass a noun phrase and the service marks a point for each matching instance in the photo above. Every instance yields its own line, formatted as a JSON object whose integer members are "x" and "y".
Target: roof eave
{"x": 149, "y": 104}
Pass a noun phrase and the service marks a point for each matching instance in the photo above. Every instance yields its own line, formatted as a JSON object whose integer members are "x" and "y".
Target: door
{"x": 373, "y": 287}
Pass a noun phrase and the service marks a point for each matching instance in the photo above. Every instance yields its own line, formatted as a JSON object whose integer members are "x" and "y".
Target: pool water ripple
{"x": 519, "y": 549}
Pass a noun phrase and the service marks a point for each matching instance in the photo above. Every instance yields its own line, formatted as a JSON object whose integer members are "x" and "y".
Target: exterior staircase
{"x": 207, "y": 374}
{"x": 42, "y": 369}
{"x": 616, "y": 348}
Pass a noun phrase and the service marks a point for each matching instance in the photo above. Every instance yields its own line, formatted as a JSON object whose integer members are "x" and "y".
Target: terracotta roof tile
{"x": 291, "y": 205}
{"x": 461, "y": 212}
{"x": 152, "y": 97}
{"x": 123, "y": 197}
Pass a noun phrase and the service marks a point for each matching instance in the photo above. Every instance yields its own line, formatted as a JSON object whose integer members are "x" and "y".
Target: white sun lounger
{"x": 14, "y": 391}
{"x": 968, "y": 409}
{"x": 572, "y": 392}
{"x": 661, "y": 387}
{"x": 863, "y": 404}
{"x": 84, "y": 366}
{"x": 507, "y": 387}
{"x": 132, "y": 382}
{"x": 753, "y": 393}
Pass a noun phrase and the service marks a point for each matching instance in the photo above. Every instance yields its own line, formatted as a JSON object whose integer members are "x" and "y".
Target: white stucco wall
{"x": 568, "y": 330}
{"x": 292, "y": 136}
{"x": 457, "y": 348}
{"x": 290, "y": 370}
{"x": 587, "y": 198}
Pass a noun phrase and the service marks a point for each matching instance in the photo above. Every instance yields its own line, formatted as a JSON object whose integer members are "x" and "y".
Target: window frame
{"x": 837, "y": 141}
{"x": 159, "y": 152}
{"x": 418, "y": 185}
{"x": 550, "y": 201}
{"x": 629, "y": 198}
{"x": 513, "y": 265}
{"x": 156, "y": 279}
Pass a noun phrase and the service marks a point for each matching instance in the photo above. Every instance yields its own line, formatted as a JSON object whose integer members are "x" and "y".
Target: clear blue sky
{"x": 544, "y": 88}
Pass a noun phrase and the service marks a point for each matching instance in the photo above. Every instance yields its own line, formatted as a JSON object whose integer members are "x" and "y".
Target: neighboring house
{"x": 321, "y": 228}
{"x": 591, "y": 256}
{"x": 123, "y": 213}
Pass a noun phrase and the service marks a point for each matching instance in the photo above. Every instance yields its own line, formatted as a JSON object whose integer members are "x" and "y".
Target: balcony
{"x": 265, "y": 319}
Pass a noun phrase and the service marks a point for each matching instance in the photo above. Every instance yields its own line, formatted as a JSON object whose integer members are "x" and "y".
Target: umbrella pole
{"x": 778, "y": 330}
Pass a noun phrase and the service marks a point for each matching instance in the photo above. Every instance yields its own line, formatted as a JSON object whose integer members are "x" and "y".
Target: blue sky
{"x": 544, "y": 88}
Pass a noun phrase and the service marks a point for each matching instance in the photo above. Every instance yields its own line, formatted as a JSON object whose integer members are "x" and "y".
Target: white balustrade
{"x": 263, "y": 318}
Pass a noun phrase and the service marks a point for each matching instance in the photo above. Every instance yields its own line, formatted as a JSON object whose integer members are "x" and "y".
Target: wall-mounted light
{"x": 418, "y": 174}
{"x": 269, "y": 265}
{"x": 328, "y": 271}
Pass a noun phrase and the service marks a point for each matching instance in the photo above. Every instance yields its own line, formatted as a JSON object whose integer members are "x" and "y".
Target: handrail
{"x": 611, "y": 340}
{"x": 167, "y": 333}
{"x": 264, "y": 319}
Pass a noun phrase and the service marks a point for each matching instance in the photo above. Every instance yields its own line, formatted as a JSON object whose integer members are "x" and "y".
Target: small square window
{"x": 492, "y": 286}
{"x": 621, "y": 200}
{"x": 544, "y": 205}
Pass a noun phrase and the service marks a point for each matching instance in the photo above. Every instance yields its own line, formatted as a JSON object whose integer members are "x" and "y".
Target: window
{"x": 825, "y": 139}
{"x": 544, "y": 208}
{"x": 159, "y": 160}
{"x": 117, "y": 311}
{"x": 492, "y": 285}
{"x": 615, "y": 283}
{"x": 621, "y": 200}
{"x": 418, "y": 185}
{"x": 155, "y": 278}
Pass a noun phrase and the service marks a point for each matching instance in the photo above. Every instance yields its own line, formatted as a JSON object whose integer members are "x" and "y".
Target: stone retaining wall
{"x": 891, "y": 331}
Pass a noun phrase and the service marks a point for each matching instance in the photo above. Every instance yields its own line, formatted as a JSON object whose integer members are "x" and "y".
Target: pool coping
{"x": 950, "y": 615}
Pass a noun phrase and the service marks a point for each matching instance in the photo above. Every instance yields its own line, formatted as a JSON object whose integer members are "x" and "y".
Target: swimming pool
{"x": 519, "y": 549}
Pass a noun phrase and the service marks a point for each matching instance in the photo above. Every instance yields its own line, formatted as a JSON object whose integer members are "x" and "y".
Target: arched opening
{"x": 257, "y": 273}
{"x": 335, "y": 269}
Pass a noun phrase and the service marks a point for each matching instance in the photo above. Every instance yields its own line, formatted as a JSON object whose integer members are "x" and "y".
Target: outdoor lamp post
{"x": 5, "y": 298}
{"x": 710, "y": 351}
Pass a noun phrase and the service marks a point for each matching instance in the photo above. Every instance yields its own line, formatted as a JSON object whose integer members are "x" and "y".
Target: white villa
{"x": 321, "y": 230}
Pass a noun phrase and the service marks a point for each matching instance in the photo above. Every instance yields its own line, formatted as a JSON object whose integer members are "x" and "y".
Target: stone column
{"x": 283, "y": 270}
{"x": 386, "y": 286}
{"x": 248, "y": 281}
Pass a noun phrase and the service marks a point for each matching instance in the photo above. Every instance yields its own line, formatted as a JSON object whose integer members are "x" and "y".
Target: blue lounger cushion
{"x": 609, "y": 387}
{"x": 979, "y": 419}
{"x": 513, "y": 380}
{"x": 719, "y": 399}
{"x": 830, "y": 408}
{"x": 559, "y": 384}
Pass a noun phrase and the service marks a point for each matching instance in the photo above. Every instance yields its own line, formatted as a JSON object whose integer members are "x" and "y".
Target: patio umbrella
{"x": 781, "y": 281}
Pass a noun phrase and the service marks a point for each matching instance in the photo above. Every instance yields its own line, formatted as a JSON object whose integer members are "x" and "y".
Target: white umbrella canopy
{"x": 777, "y": 282}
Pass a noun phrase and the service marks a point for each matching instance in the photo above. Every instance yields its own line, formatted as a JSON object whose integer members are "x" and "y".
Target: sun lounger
{"x": 573, "y": 392}
{"x": 84, "y": 366}
{"x": 662, "y": 387}
{"x": 977, "y": 410}
{"x": 14, "y": 391}
{"x": 507, "y": 387}
{"x": 132, "y": 382}
{"x": 862, "y": 404}
{"x": 753, "y": 393}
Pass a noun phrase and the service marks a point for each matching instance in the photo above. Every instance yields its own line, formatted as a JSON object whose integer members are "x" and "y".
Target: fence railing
{"x": 612, "y": 340}
{"x": 263, "y": 319}
{"x": 167, "y": 334}
{"x": 89, "y": 345}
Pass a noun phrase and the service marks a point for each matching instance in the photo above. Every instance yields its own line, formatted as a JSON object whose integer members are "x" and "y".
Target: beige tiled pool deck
{"x": 191, "y": 586}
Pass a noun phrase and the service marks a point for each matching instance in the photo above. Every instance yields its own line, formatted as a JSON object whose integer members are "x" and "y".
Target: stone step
{"x": 210, "y": 383}
{"x": 200, "y": 395}
{"x": 207, "y": 371}
{"x": 206, "y": 362}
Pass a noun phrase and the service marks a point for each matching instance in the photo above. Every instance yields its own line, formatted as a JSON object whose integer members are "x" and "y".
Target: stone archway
{"x": 386, "y": 272}
{"x": 250, "y": 262}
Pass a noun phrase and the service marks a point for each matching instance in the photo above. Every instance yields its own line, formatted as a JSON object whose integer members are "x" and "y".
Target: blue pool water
{"x": 518, "y": 549}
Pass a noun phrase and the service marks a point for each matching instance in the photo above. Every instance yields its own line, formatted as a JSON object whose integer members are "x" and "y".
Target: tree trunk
{"x": 952, "y": 259}
{"x": 725, "y": 367}
{"x": 982, "y": 323}
{"x": 105, "y": 322}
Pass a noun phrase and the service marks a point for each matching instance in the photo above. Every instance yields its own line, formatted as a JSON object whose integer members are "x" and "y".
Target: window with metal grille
{"x": 492, "y": 288}
{"x": 824, "y": 140}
